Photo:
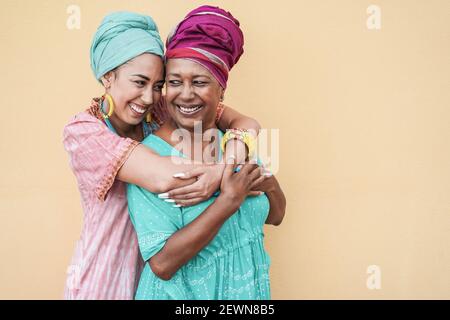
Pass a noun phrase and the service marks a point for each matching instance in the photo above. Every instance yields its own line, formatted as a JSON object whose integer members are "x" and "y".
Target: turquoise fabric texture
{"x": 122, "y": 36}
{"x": 234, "y": 265}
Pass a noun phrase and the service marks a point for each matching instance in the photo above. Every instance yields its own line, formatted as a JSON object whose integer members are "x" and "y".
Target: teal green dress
{"x": 234, "y": 265}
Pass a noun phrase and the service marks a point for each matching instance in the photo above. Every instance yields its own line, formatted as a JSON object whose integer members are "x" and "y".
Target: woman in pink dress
{"x": 105, "y": 153}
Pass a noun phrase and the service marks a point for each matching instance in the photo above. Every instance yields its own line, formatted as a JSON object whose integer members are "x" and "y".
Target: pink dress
{"x": 107, "y": 263}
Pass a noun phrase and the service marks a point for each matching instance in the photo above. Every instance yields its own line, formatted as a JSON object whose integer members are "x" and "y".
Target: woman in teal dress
{"x": 215, "y": 249}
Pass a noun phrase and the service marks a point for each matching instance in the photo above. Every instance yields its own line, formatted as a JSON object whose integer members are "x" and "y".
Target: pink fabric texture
{"x": 106, "y": 263}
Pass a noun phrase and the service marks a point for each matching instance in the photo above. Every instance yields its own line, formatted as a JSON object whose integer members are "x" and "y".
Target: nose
{"x": 187, "y": 92}
{"x": 147, "y": 97}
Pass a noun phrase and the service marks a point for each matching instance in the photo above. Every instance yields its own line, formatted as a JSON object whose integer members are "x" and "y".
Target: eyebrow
{"x": 196, "y": 76}
{"x": 142, "y": 76}
{"x": 145, "y": 78}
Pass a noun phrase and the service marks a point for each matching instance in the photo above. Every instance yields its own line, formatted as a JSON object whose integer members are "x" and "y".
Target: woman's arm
{"x": 155, "y": 173}
{"x": 151, "y": 171}
{"x": 230, "y": 119}
{"x": 185, "y": 243}
{"x": 187, "y": 196}
{"x": 277, "y": 200}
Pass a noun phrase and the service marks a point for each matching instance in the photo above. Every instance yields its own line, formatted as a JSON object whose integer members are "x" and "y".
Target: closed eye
{"x": 199, "y": 83}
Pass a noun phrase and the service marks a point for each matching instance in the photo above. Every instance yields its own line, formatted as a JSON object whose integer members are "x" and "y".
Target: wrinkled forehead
{"x": 186, "y": 67}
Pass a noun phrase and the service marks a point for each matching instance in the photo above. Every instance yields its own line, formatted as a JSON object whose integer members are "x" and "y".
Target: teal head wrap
{"x": 120, "y": 37}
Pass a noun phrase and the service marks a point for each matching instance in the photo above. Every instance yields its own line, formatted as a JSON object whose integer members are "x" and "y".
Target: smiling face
{"x": 192, "y": 94}
{"x": 135, "y": 87}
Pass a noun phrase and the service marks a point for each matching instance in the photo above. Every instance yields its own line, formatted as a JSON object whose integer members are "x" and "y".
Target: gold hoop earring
{"x": 110, "y": 105}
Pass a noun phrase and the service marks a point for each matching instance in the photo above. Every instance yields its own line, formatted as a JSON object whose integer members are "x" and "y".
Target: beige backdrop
{"x": 364, "y": 139}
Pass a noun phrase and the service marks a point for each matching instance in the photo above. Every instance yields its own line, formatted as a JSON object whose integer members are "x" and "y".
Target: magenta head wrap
{"x": 209, "y": 36}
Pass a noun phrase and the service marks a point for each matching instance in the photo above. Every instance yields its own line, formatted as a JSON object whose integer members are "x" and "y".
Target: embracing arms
{"x": 155, "y": 173}
{"x": 267, "y": 184}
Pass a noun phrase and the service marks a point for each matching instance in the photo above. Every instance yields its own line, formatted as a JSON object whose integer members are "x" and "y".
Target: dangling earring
{"x": 148, "y": 117}
{"x": 110, "y": 105}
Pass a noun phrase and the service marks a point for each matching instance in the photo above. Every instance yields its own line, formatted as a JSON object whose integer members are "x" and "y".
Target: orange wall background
{"x": 363, "y": 118}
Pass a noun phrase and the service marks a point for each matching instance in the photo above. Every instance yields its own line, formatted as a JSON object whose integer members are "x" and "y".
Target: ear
{"x": 222, "y": 94}
{"x": 107, "y": 79}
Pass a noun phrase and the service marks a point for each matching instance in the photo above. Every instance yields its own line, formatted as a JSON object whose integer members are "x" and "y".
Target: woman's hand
{"x": 208, "y": 181}
{"x": 264, "y": 183}
{"x": 236, "y": 186}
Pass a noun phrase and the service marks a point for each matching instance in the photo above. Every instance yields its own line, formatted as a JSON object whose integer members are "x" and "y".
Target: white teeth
{"x": 137, "y": 109}
{"x": 189, "y": 110}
